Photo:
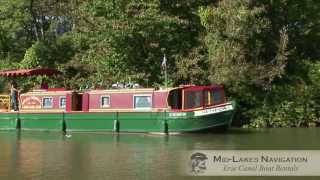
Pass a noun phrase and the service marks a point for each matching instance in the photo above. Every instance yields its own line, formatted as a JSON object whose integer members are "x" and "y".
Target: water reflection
{"x": 48, "y": 155}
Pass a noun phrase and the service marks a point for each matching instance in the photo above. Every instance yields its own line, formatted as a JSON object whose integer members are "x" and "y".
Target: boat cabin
{"x": 125, "y": 100}
{"x": 184, "y": 98}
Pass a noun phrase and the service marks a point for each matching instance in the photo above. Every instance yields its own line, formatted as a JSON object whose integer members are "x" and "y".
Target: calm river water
{"x": 93, "y": 156}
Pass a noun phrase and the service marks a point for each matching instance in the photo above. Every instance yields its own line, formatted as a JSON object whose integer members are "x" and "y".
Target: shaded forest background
{"x": 265, "y": 52}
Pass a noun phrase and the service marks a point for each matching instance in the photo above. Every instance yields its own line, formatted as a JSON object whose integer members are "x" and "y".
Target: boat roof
{"x": 195, "y": 88}
{"x": 50, "y": 92}
{"x": 128, "y": 90}
{"x": 142, "y": 90}
{"x": 59, "y": 91}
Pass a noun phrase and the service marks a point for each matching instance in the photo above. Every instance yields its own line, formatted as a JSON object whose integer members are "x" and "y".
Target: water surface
{"x": 51, "y": 155}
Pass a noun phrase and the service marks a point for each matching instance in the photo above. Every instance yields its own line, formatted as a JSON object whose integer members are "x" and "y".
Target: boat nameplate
{"x": 177, "y": 114}
{"x": 213, "y": 110}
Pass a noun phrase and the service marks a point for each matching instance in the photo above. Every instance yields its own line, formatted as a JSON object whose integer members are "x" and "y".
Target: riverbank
{"x": 309, "y": 125}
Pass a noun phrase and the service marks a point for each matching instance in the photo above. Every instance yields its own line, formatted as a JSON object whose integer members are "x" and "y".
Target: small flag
{"x": 164, "y": 62}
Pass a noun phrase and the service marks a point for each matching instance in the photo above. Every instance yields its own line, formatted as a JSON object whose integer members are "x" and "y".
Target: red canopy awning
{"x": 29, "y": 72}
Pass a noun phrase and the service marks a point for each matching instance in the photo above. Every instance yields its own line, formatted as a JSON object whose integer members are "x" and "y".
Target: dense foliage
{"x": 265, "y": 52}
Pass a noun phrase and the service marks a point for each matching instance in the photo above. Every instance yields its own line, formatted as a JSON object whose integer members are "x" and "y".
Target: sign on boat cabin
{"x": 44, "y": 100}
{"x": 185, "y": 98}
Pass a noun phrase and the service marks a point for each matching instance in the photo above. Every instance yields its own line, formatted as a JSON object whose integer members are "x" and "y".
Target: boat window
{"x": 105, "y": 101}
{"x": 47, "y": 102}
{"x": 62, "y": 102}
{"x": 217, "y": 97}
{"x": 142, "y": 101}
{"x": 193, "y": 99}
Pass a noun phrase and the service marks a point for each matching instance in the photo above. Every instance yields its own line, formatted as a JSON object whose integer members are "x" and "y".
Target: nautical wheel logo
{"x": 198, "y": 163}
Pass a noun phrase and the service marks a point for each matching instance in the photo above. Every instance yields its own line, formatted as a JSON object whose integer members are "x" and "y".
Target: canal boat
{"x": 181, "y": 109}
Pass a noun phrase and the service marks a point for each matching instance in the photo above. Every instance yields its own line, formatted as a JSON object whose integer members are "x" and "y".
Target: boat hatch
{"x": 202, "y": 96}
{"x": 175, "y": 99}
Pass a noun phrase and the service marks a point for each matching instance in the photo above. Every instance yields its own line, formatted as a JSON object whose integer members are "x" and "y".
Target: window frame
{"x": 143, "y": 95}
{"x": 101, "y": 101}
{"x": 220, "y": 97}
{"x": 43, "y": 105}
{"x": 62, "y": 97}
{"x": 212, "y": 93}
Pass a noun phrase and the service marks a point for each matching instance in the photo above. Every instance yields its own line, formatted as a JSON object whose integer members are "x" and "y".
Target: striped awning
{"x": 29, "y": 72}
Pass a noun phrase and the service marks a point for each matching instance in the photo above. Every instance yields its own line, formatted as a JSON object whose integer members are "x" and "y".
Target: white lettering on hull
{"x": 213, "y": 110}
{"x": 177, "y": 114}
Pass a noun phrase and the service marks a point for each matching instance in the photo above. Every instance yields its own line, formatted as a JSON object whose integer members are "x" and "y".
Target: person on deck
{"x": 14, "y": 96}
{"x": 44, "y": 85}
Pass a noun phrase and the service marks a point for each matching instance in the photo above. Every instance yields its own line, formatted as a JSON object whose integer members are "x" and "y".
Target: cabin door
{"x": 77, "y": 102}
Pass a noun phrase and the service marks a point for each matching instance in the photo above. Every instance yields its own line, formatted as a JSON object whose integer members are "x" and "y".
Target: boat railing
{"x": 5, "y": 103}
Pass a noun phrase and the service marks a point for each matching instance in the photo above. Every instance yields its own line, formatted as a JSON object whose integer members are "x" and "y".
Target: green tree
{"x": 14, "y": 33}
{"x": 240, "y": 56}
{"x": 127, "y": 39}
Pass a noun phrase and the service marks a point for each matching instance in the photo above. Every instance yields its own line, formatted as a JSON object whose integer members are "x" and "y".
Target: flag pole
{"x": 166, "y": 77}
{"x": 164, "y": 65}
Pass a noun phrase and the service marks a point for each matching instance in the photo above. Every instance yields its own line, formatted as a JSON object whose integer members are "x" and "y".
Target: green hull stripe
{"x": 106, "y": 121}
